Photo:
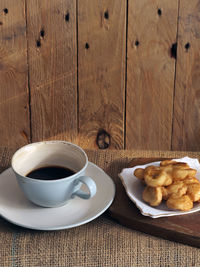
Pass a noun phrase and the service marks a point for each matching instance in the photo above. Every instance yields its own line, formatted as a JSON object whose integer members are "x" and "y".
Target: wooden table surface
{"x": 102, "y": 242}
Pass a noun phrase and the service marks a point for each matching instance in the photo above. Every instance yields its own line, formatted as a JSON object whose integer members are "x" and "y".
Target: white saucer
{"x": 15, "y": 208}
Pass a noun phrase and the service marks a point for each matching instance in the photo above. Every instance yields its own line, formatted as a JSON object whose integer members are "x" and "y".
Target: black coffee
{"x": 50, "y": 173}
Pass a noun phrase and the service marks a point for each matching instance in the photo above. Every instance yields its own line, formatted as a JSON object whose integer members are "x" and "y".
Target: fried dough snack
{"x": 191, "y": 180}
{"x": 165, "y": 194}
{"x": 172, "y": 162}
{"x": 154, "y": 176}
{"x": 177, "y": 189}
{"x": 177, "y": 170}
{"x": 139, "y": 173}
{"x": 173, "y": 182}
{"x": 181, "y": 174}
{"x": 193, "y": 191}
{"x": 152, "y": 195}
{"x": 183, "y": 203}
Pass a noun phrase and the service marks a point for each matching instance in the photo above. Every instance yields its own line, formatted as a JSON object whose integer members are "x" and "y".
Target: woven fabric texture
{"x": 101, "y": 242}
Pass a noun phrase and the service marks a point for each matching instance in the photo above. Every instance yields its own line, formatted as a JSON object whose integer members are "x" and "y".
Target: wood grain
{"x": 186, "y": 127}
{"x": 51, "y": 27}
{"x": 152, "y": 28}
{"x": 153, "y": 102}
{"x": 184, "y": 228}
{"x": 14, "y": 97}
{"x": 101, "y": 73}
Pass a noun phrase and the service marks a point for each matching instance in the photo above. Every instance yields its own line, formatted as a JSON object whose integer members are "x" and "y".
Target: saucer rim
{"x": 91, "y": 218}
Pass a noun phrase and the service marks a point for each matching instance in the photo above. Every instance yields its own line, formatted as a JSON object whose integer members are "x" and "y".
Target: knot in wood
{"x": 38, "y": 43}
{"x": 87, "y": 46}
{"x": 106, "y": 14}
{"x": 137, "y": 43}
{"x": 67, "y": 17}
{"x": 159, "y": 12}
{"x": 187, "y": 46}
{"x": 103, "y": 139}
{"x": 174, "y": 50}
{"x": 42, "y": 33}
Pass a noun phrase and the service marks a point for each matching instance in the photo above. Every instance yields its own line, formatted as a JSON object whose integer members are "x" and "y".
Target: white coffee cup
{"x": 52, "y": 193}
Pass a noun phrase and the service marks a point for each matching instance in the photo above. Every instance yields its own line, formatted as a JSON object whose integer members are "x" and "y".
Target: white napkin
{"x": 134, "y": 189}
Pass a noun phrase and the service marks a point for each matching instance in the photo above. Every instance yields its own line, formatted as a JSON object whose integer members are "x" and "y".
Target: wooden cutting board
{"x": 184, "y": 228}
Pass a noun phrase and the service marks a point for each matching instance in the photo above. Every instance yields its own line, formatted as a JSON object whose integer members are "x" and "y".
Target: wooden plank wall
{"x": 186, "y": 130}
{"x": 14, "y": 94}
{"x": 103, "y": 74}
{"x": 152, "y": 28}
{"x": 52, "y": 58}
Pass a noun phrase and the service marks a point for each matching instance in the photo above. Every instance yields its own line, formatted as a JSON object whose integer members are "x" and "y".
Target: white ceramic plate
{"x": 134, "y": 189}
{"x": 15, "y": 208}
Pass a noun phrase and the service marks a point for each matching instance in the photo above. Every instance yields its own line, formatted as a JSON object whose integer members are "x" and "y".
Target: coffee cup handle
{"x": 91, "y": 185}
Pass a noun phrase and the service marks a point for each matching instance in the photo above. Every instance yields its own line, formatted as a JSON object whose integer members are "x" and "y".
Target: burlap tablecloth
{"x": 101, "y": 242}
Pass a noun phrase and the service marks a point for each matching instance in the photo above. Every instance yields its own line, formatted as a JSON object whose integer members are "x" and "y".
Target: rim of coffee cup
{"x": 50, "y": 181}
